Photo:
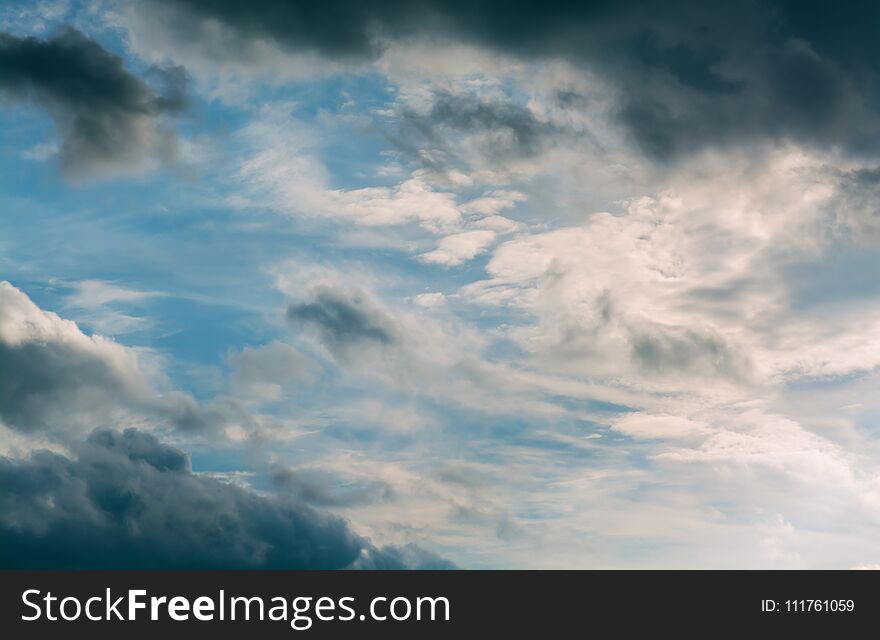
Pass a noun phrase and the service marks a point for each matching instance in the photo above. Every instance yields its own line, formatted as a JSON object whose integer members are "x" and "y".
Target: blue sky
{"x": 540, "y": 306}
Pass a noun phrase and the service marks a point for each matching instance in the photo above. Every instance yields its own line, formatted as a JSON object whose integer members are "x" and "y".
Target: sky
{"x": 437, "y": 284}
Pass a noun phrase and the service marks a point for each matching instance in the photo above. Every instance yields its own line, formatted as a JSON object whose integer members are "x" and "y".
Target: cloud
{"x": 686, "y": 76}
{"x": 282, "y": 172}
{"x": 855, "y": 203}
{"x": 109, "y": 120}
{"x": 100, "y": 305}
{"x": 498, "y": 128}
{"x": 423, "y": 351}
{"x": 56, "y": 380}
{"x": 320, "y": 489}
{"x": 265, "y": 372}
{"x": 123, "y": 499}
{"x": 343, "y": 322}
{"x": 665, "y": 427}
{"x": 667, "y": 360}
{"x": 91, "y": 294}
{"x": 54, "y": 377}
{"x": 408, "y": 556}
{"x": 469, "y": 113}
{"x": 460, "y": 247}
{"x": 707, "y": 281}
{"x": 337, "y": 30}
{"x": 127, "y": 501}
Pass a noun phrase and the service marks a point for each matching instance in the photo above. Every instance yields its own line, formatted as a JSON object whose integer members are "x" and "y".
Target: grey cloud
{"x": 127, "y": 501}
{"x": 174, "y": 82}
{"x": 108, "y": 118}
{"x": 57, "y": 381}
{"x": 44, "y": 384}
{"x": 687, "y": 74}
{"x": 343, "y": 321}
{"x": 468, "y": 113}
{"x": 138, "y": 446}
{"x": 345, "y": 29}
{"x": 652, "y": 348}
{"x": 695, "y": 68}
{"x": 509, "y": 130}
{"x": 182, "y": 412}
{"x": 660, "y": 350}
{"x": 855, "y": 203}
{"x": 340, "y": 29}
{"x": 55, "y": 388}
{"x": 259, "y": 371}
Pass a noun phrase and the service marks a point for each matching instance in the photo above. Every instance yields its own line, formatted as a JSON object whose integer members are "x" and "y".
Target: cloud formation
{"x": 52, "y": 373}
{"x": 127, "y": 501}
{"x": 686, "y": 75}
{"x": 343, "y": 323}
{"x": 108, "y": 119}
{"x": 504, "y": 130}
{"x": 583, "y": 284}
{"x": 56, "y": 380}
{"x": 124, "y": 499}
{"x": 265, "y": 372}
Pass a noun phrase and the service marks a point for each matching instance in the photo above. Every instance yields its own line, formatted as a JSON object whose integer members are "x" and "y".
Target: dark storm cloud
{"x": 107, "y": 117}
{"x": 343, "y": 29}
{"x": 687, "y": 74}
{"x": 342, "y": 321}
{"x": 128, "y": 501}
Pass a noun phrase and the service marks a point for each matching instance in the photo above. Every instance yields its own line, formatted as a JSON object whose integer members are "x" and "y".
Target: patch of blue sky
{"x": 213, "y": 458}
{"x": 845, "y": 274}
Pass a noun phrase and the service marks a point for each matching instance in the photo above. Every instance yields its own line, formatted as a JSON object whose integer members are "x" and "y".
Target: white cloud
{"x": 283, "y": 173}
{"x": 459, "y": 248}
{"x": 99, "y": 305}
{"x": 96, "y": 293}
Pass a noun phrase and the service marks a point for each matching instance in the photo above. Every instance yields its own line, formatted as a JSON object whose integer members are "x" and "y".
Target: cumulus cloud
{"x": 128, "y": 501}
{"x": 123, "y": 499}
{"x": 52, "y": 372}
{"x": 700, "y": 282}
{"x": 109, "y": 120}
{"x": 57, "y": 380}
